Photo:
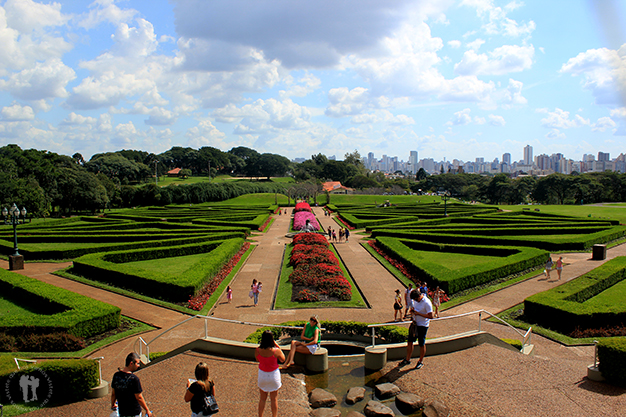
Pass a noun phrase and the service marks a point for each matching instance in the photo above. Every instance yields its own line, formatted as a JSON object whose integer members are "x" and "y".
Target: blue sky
{"x": 450, "y": 79}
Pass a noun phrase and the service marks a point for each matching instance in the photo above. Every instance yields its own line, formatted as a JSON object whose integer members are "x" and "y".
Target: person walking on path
{"x": 311, "y": 334}
{"x": 330, "y": 233}
{"x": 437, "y": 295}
{"x": 421, "y": 312}
{"x": 229, "y": 294}
{"x": 559, "y": 266}
{"x": 407, "y": 299}
{"x": 268, "y": 354}
{"x": 397, "y": 306}
{"x": 198, "y": 389}
{"x": 347, "y": 233}
{"x": 126, "y": 390}
{"x": 548, "y": 268}
{"x": 254, "y": 292}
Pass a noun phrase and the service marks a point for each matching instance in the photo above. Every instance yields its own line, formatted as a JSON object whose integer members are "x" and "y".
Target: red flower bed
{"x": 310, "y": 239}
{"x": 398, "y": 264}
{"x": 344, "y": 223}
{"x": 302, "y": 206}
{"x": 316, "y": 269}
{"x": 262, "y": 228}
{"x": 197, "y": 302}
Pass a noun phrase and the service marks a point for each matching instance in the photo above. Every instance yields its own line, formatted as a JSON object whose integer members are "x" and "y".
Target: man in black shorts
{"x": 421, "y": 310}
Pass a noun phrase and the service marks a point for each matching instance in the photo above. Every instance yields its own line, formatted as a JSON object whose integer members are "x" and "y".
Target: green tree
{"x": 184, "y": 173}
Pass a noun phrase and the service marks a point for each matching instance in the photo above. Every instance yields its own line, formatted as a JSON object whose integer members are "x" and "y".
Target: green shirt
{"x": 310, "y": 332}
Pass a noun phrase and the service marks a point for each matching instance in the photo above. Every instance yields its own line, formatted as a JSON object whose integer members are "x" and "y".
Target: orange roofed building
{"x": 173, "y": 173}
{"x": 335, "y": 187}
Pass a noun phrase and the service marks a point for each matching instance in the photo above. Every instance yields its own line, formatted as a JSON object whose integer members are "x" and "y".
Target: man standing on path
{"x": 421, "y": 311}
{"x": 126, "y": 390}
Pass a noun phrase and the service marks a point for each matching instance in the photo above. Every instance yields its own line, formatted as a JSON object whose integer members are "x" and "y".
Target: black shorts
{"x": 417, "y": 333}
{"x": 397, "y": 306}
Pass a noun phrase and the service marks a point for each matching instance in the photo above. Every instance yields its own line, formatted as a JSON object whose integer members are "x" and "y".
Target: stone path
{"x": 377, "y": 285}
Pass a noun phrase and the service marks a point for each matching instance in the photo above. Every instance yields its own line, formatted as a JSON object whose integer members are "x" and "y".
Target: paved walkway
{"x": 554, "y": 365}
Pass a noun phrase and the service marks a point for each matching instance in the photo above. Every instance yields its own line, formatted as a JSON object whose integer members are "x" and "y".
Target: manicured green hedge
{"x": 69, "y": 312}
{"x": 62, "y": 380}
{"x": 390, "y": 334}
{"x": 112, "y": 268}
{"x": 612, "y": 355}
{"x": 512, "y": 260}
{"x": 571, "y": 305}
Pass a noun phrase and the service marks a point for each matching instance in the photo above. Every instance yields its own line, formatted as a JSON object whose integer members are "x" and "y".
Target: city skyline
{"x": 446, "y": 78}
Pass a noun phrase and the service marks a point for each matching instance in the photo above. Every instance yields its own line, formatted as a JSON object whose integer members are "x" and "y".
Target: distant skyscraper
{"x": 506, "y": 158}
{"x": 413, "y": 162}
{"x": 603, "y": 156}
{"x": 528, "y": 155}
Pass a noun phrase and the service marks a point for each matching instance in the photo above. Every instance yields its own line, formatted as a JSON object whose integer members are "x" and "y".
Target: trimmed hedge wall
{"x": 69, "y": 312}
{"x": 390, "y": 334}
{"x": 69, "y": 380}
{"x": 566, "y": 307}
{"x": 512, "y": 260}
{"x": 612, "y": 355}
{"x": 112, "y": 268}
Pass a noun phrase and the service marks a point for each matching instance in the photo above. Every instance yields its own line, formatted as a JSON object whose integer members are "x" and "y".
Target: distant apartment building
{"x": 528, "y": 155}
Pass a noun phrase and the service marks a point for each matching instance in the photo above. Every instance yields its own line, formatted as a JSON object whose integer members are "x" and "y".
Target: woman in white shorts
{"x": 268, "y": 354}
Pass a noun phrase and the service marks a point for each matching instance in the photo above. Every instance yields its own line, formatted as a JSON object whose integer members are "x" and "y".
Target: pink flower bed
{"x": 300, "y": 218}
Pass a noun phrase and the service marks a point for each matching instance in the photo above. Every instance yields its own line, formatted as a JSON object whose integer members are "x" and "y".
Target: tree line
{"x": 47, "y": 183}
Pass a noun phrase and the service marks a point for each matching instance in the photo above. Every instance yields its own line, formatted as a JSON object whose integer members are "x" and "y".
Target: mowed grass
{"x": 260, "y": 199}
{"x": 171, "y": 266}
{"x": 380, "y": 199}
{"x": 165, "y": 181}
{"x": 453, "y": 261}
{"x": 10, "y": 308}
{"x": 606, "y": 211}
{"x": 610, "y": 298}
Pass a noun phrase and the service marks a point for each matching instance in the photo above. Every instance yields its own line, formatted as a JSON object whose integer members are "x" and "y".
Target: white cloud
{"x": 497, "y": 121}
{"x": 27, "y": 16}
{"x": 603, "y": 124}
{"x": 555, "y": 134}
{"x": 43, "y": 81}
{"x": 604, "y": 72}
{"x": 105, "y": 11}
{"x": 344, "y": 102}
{"x": 496, "y": 21}
{"x": 460, "y": 118}
{"x": 17, "y": 113}
{"x": 74, "y": 119}
{"x": 475, "y": 45}
{"x": 559, "y": 119}
{"x": 205, "y": 134}
{"x": 302, "y": 87}
{"x": 454, "y": 44}
{"x": 502, "y": 60}
{"x": 383, "y": 116}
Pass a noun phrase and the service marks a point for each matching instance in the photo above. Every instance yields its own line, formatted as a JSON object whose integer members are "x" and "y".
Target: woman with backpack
{"x": 199, "y": 389}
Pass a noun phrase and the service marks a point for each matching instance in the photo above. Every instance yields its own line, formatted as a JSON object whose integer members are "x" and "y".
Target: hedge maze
{"x": 596, "y": 299}
{"x": 474, "y": 244}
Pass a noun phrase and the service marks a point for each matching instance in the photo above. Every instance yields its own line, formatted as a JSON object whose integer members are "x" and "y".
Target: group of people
{"x": 255, "y": 290}
{"x": 127, "y": 394}
{"x": 344, "y": 232}
{"x": 549, "y": 265}
{"x": 400, "y": 302}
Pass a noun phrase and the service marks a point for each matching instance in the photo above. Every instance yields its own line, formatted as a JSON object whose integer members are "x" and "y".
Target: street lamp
{"x": 12, "y": 216}
{"x": 445, "y": 197}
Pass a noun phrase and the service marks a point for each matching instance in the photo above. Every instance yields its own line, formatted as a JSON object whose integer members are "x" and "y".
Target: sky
{"x": 450, "y": 79}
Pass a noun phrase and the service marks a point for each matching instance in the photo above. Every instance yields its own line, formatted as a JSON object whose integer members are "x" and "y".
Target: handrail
{"x": 525, "y": 336}
{"x": 142, "y": 342}
{"x": 23, "y": 360}
{"x": 99, "y": 358}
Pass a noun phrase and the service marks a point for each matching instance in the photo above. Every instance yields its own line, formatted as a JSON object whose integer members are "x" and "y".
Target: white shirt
{"x": 424, "y": 307}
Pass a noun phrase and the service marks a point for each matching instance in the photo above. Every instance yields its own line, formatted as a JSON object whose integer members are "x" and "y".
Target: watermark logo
{"x": 32, "y": 388}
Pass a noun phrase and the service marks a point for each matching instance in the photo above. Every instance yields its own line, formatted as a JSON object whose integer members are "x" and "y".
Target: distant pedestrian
{"x": 437, "y": 295}
{"x": 559, "y": 266}
{"x": 407, "y": 299}
{"x": 254, "y": 292}
{"x": 229, "y": 294}
{"x": 347, "y": 233}
{"x": 334, "y": 235}
{"x": 421, "y": 312}
{"x": 548, "y": 268}
{"x": 397, "y": 306}
{"x": 330, "y": 233}
{"x": 424, "y": 288}
{"x": 126, "y": 389}
{"x": 340, "y": 234}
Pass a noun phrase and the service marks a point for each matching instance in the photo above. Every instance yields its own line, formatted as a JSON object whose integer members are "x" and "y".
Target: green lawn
{"x": 609, "y": 297}
{"x": 10, "y": 308}
{"x": 165, "y": 181}
{"x": 175, "y": 265}
{"x": 259, "y": 199}
{"x": 453, "y": 261}
{"x": 607, "y": 211}
{"x": 379, "y": 199}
